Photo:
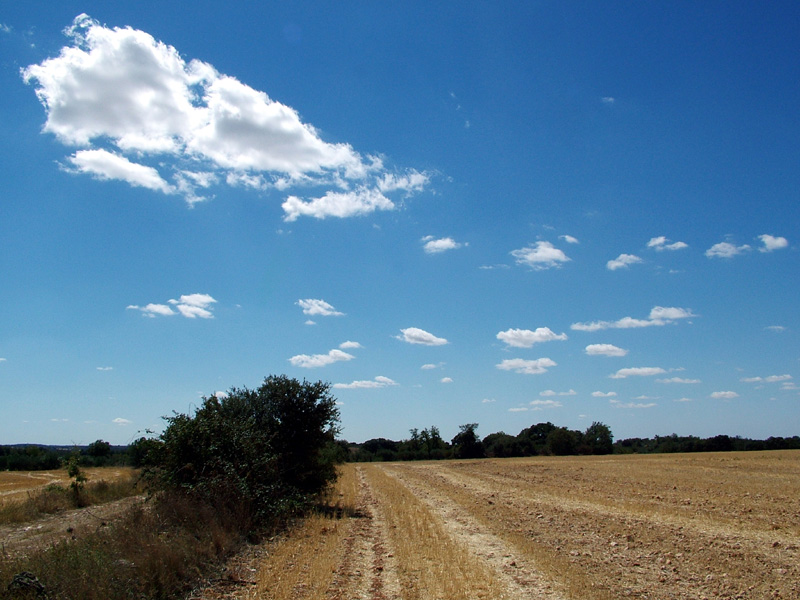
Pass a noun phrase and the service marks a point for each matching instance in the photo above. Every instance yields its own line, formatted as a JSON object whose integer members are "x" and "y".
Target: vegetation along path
{"x": 593, "y": 528}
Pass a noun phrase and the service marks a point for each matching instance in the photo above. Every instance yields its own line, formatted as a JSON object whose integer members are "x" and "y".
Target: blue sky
{"x": 502, "y": 213}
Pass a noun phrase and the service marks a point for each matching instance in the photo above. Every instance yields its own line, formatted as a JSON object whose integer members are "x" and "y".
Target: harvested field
{"x": 17, "y": 485}
{"x": 686, "y": 526}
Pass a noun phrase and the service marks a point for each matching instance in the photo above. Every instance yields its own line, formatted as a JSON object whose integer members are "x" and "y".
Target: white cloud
{"x": 542, "y": 404}
{"x": 348, "y": 345}
{"x": 525, "y": 338}
{"x": 434, "y": 246}
{"x": 769, "y": 379}
{"x": 446, "y": 380}
{"x": 358, "y": 202}
{"x": 190, "y": 306}
{"x": 637, "y": 372}
{"x": 540, "y": 256}
{"x": 618, "y": 404}
{"x": 772, "y": 243}
{"x": 3, "y": 360}
{"x": 659, "y": 315}
{"x": 527, "y": 367}
{"x": 683, "y": 400}
{"x": 377, "y": 383}
{"x": 775, "y": 328}
{"x": 726, "y": 250}
{"x": 488, "y": 401}
{"x": 320, "y": 360}
{"x": 660, "y": 244}
{"x": 118, "y": 93}
{"x": 518, "y": 409}
{"x": 98, "y": 368}
{"x": 429, "y": 366}
{"x": 623, "y": 261}
{"x": 678, "y": 380}
{"x": 605, "y": 350}
{"x": 608, "y": 100}
{"x": 414, "y": 335}
{"x": 553, "y": 393}
{"x": 315, "y": 307}
{"x": 724, "y": 395}
{"x": 569, "y": 239}
{"x": 121, "y": 421}
{"x": 604, "y": 394}
{"x": 106, "y": 166}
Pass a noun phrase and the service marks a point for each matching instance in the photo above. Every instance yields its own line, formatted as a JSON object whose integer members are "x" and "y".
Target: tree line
{"x": 547, "y": 439}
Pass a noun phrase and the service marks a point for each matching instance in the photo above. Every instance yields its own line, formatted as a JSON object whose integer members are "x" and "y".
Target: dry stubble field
{"x": 685, "y": 526}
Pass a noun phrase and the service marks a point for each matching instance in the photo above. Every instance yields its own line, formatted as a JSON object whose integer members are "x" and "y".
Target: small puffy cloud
{"x": 724, "y": 395}
{"x": 414, "y": 335}
{"x": 540, "y": 256}
{"x": 660, "y": 244}
{"x": 553, "y": 393}
{"x": 659, "y": 315}
{"x": 603, "y": 394}
{"x": 527, "y": 367}
{"x": 344, "y": 204}
{"x": 726, "y": 250}
{"x": 348, "y": 345}
{"x": 637, "y": 372}
{"x": 446, "y": 380}
{"x": 316, "y": 307}
{"x": 430, "y": 366}
{"x": 605, "y": 350}
{"x": 435, "y": 246}
{"x": 525, "y": 338}
{"x": 543, "y": 404}
{"x": 569, "y": 239}
{"x": 370, "y": 384}
{"x": 775, "y": 328}
{"x": 678, "y": 380}
{"x": 772, "y": 243}
{"x": 121, "y": 421}
{"x": 320, "y": 360}
{"x": 191, "y": 306}
{"x": 623, "y": 261}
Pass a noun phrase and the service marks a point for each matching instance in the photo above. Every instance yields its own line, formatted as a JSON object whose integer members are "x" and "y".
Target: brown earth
{"x": 713, "y": 526}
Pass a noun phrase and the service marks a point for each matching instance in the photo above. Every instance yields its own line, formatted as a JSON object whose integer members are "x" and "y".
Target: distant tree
{"x": 533, "y": 440}
{"x": 466, "y": 443}
{"x": 598, "y": 439}
{"x": 561, "y": 442}
{"x": 99, "y": 449}
{"x": 501, "y": 445}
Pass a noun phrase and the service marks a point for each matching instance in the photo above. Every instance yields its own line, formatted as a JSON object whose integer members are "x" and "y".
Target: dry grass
{"x": 431, "y": 564}
{"x": 29, "y": 496}
{"x": 302, "y": 562}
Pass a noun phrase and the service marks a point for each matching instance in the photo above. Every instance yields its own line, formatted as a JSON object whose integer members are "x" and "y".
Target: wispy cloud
{"x": 191, "y": 306}
{"x": 544, "y": 404}
{"x": 553, "y": 393}
{"x": 659, "y": 315}
{"x": 139, "y": 113}
{"x": 637, "y": 372}
{"x": 661, "y": 243}
{"x": 632, "y": 405}
{"x": 768, "y": 379}
{"x": 121, "y": 421}
{"x": 369, "y": 384}
{"x": 725, "y": 395}
{"x": 678, "y": 380}
{"x": 414, "y": 335}
{"x": 604, "y": 394}
{"x": 525, "y": 338}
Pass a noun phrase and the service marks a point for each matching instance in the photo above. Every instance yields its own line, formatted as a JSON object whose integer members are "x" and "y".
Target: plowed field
{"x": 650, "y": 527}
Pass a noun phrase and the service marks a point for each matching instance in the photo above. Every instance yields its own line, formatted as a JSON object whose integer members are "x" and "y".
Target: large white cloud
{"x": 527, "y": 367}
{"x": 540, "y": 256}
{"x": 414, "y": 335}
{"x": 139, "y": 113}
{"x": 525, "y": 338}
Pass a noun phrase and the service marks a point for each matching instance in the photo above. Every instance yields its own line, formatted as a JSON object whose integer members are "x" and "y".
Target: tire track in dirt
{"x": 368, "y": 570}
{"x": 520, "y": 578}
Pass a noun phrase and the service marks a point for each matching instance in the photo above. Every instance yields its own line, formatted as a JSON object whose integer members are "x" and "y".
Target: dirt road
{"x": 680, "y": 527}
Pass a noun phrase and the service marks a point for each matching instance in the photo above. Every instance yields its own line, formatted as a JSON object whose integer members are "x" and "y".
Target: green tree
{"x": 598, "y": 438}
{"x": 561, "y": 441}
{"x": 270, "y": 449}
{"x": 466, "y": 443}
